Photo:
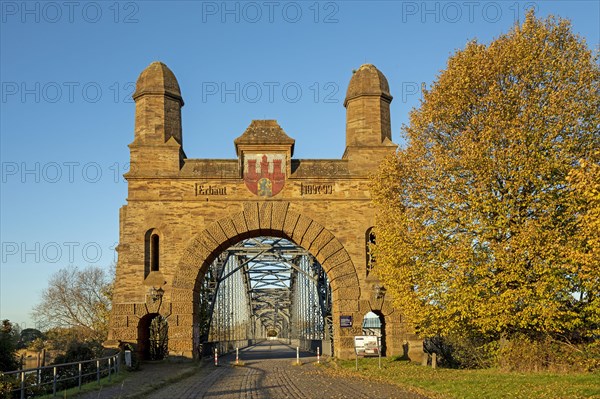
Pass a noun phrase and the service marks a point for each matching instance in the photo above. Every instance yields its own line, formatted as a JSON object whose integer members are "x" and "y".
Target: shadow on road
{"x": 271, "y": 350}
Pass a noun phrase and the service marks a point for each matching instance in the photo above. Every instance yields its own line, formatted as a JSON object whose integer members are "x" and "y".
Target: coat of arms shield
{"x": 264, "y": 174}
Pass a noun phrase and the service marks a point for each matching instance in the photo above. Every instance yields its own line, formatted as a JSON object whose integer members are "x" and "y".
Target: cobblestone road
{"x": 269, "y": 373}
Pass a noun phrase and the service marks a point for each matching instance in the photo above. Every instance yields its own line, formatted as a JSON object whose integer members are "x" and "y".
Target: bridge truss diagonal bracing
{"x": 263, "y": 287}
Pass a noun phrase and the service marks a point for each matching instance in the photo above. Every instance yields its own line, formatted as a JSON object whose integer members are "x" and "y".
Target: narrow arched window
{"x": 151, "y": 251}
{"x": 369, "y": 242}
{"x": 154, "y": 252}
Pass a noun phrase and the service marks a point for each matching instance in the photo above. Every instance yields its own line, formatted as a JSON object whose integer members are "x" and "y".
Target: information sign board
{"x": 345, "y": 321}
{"x": 367, "y": 345}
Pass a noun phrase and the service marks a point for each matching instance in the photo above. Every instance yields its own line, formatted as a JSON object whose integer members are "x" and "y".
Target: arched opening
{"x": 269, "y": 218}
{"x": 264, "y": 288}
{"x": 369, "y": 242}
{"x": 153, "y": 331}
{"x": 151, "y": 252}
{"x": 374, "y": 325}
{"x": 272, "y": 334}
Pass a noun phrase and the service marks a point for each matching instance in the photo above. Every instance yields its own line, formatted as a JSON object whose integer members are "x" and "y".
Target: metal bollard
{"x": 237, "y": 356}
{"x": 22, "y": 384}
{"x": 54, "y": 382}
{"x": 318, "y": 356}
{"x": 297, "y": 355}
{"x": 216, "y": 357}
{"x": 80, "y": 373}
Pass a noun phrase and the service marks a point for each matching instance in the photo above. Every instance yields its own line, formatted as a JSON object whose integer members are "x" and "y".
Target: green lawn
{"x": 90, "y": 386}
{"x": 475, "y": 384}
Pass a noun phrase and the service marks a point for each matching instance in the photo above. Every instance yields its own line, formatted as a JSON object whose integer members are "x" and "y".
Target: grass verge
{"x": 473, "y": 384}
{"x": 89, "y": 387}
{"x": 151, "y": 387}
{"x": 135, "y": 388}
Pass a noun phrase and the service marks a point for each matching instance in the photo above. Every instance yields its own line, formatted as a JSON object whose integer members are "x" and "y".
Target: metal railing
{"x": 43, "y": 380}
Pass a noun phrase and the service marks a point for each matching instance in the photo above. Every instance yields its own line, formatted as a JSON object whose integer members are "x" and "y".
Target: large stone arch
{"x": 267, "y": 218}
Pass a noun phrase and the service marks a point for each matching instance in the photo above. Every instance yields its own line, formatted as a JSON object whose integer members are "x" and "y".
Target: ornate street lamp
{"x": 156, "y": 294}
{"x": 379, "y": 291}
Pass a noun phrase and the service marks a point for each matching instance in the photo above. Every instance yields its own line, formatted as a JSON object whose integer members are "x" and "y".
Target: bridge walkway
{"x": 269, "y": 373}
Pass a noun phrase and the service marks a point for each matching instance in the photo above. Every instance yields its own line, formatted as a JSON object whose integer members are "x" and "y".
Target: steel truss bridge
{"x": 262, "y": 287}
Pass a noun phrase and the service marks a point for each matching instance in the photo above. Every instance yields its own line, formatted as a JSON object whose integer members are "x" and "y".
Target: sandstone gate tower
{"x": 182, "y": 213}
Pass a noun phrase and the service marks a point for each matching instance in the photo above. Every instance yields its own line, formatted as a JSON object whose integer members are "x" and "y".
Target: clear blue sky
{"x": 67, "y": 74}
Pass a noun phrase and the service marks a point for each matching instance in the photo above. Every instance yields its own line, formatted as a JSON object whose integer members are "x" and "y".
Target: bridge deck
{"x": 269, "y": 373}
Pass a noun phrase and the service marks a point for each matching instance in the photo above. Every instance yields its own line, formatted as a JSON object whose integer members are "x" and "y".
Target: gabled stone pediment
{"x": 264, "y": 133}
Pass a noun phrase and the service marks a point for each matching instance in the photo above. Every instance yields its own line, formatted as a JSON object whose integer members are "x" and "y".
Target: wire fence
{"x": 27, "y": 383}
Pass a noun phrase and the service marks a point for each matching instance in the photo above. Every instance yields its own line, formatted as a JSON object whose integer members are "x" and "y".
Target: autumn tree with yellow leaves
{"x": 585, "y": 183}
{"x": 488, "y": 219}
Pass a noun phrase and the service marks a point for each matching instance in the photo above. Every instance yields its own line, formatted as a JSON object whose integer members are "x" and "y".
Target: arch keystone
{"x": 264, "y": 215}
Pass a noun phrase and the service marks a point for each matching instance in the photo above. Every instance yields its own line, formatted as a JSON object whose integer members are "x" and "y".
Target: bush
{"x": 27, "y": 336}
{"x": 7, "y": 384}
{"x": 8, "y": 347}
{"x": 10, "y": 386}
{"x": 77, "y": 351}
{"x": 520, "y": 353}
{"x": 461, "y": 352}
{"x": 525, "y": 354}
